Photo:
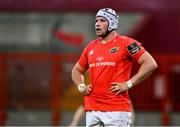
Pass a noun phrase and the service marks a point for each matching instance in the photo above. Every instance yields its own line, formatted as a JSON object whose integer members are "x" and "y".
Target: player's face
{"x": 101, "y": 26}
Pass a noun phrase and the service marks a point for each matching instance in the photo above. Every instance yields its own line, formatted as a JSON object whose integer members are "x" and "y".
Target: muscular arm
{"x": 78, "y": 79}
{"x": 78, "y": 74}
{"x": 147, "y": 66}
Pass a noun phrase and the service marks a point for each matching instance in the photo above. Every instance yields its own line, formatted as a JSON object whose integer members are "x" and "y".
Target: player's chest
{"x": 112, "y": 53}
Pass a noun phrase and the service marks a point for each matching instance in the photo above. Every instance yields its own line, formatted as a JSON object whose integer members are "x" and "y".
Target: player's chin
{"x": 99, "y": 34}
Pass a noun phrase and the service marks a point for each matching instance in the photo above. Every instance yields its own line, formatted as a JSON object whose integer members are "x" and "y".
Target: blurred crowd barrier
{"x": 43, "y": 81}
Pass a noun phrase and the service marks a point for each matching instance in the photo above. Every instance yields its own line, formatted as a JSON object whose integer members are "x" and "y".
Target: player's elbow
{"x": 153, "y": 66}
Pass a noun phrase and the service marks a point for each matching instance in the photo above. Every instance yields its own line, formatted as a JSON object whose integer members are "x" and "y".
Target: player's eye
{"x": 102, "y": 20}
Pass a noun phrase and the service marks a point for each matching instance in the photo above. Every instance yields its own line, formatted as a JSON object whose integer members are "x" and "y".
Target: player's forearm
{"x": 145, "y": 70}
{"x": 78, "y": 79}
{"x": 147, "y": 66}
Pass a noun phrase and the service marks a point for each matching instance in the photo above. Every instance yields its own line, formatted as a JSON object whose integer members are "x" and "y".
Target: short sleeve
{"x": 134, "y": 48}
{"x": 83, "y": 60}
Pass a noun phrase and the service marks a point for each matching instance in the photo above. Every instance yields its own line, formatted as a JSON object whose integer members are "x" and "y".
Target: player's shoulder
{"x": 126, "y": 39}
{"x": 95, "y": 41}
{"x": 92, "y": 42}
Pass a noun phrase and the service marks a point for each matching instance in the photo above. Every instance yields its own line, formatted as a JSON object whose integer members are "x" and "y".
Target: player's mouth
{"x": 98, "y": 29}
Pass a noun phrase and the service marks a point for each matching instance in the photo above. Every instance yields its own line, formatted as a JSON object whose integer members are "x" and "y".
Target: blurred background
{"x": 40, "y": 41}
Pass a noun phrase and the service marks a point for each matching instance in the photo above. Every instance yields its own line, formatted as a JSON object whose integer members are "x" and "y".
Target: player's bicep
{"x": 146, "y": 58}
{"x": 79, "y": 68}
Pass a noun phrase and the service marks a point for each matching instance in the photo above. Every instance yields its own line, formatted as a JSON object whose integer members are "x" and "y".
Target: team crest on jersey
{"x": 114, "y": 49}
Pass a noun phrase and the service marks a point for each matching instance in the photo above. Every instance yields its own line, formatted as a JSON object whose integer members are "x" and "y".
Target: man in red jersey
{"x": 109, "y": 60}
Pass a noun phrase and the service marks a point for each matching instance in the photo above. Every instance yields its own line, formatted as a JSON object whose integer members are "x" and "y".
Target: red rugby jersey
{"x": 110, "y": 62}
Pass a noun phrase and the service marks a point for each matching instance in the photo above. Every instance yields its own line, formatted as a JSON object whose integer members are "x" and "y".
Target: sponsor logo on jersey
{"x": 99, "y": 64}
{"x": 133, "y": 48}
{"x": 114, "y": 49}
{"x": 100, "y": 58}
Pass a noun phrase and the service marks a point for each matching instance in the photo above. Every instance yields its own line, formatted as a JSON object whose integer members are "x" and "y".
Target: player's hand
{"x": 118, "y": 87}
{"x": 86, "y": 89}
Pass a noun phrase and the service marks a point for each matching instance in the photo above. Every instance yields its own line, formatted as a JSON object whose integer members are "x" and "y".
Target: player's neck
{"x": 109, "y": 37}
